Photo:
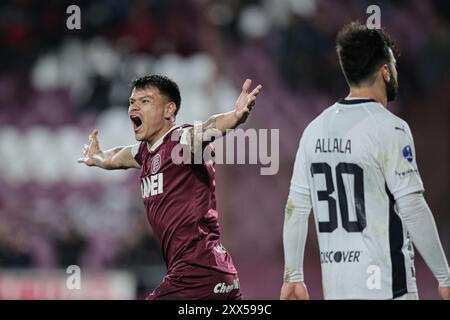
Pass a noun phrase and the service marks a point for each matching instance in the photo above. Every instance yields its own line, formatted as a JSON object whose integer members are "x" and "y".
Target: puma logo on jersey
{"x": 400, "y": 129}
{"x": 152, "y": 185}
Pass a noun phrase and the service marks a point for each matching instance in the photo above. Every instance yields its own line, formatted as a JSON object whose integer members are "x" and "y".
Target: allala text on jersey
{"x": 337, "y": 145}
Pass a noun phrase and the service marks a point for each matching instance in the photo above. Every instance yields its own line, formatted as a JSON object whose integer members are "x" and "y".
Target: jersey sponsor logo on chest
{"x": 152, "y": 185}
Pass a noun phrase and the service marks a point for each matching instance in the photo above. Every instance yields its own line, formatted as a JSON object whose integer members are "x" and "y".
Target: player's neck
{"x": 379, "y": 95}
{"x": 160, "y": 134}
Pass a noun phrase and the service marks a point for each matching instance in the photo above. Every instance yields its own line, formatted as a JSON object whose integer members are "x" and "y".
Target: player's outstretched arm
{"x": 244, "y": 105}
{"x": 217, "y": 125}
{"x": 115, "y": 158}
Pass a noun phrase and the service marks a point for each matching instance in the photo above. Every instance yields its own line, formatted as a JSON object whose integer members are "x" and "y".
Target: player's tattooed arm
{"x": 207, "y": 131}
{"x": 198, "y": 135}
{"x": 218, "y": 125}
{"x": 115, "y": 158}
{"x": 210, "y": 123}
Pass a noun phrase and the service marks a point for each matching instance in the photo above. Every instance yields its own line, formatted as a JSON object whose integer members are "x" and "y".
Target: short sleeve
{"x": 399, "y": 161}
{"x": 136, "y": 152}
{"x": 299, "y": 181}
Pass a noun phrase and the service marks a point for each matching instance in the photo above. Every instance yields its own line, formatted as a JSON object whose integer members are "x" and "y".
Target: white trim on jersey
{"x": 135, "y": 149}
{"x": 160, "y": 140}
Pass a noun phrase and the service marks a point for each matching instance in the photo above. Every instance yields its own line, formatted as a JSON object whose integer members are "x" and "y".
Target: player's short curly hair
{"x": 165, "y": 85}
{"x": 362, "y": 51}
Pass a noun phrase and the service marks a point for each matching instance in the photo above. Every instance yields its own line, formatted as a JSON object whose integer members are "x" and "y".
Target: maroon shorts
{"x": 211, "y": 286}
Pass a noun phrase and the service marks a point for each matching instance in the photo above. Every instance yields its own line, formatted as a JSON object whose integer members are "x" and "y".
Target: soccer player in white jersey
{"x": 356, "y": 168}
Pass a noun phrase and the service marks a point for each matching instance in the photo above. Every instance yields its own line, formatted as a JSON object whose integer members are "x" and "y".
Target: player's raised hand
{"x": 246, "y": 101}
{"x": 294, "y": 291}
{"x": 91, "y": 152}
{"x": 444, "y": 292}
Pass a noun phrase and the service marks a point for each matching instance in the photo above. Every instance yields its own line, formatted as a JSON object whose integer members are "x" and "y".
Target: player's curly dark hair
{"x": 362, "y": 51}
{"x": 165, "y": 85}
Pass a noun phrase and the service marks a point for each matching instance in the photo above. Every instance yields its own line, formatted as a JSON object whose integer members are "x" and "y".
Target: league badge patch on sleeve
{"x": 407, "y": 153}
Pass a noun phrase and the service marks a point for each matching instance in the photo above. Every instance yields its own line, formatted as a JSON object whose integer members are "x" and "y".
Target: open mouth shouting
{"x": 137, "y": 122}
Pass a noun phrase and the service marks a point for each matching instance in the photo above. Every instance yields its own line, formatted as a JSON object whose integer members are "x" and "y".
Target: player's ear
{"x": 385, "y": 73}
{"x": 169, "y": 110}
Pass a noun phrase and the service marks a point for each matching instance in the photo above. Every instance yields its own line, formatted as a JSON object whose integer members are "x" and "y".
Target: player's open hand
{"x": 91, "y": 152}
{"x": 294, "y": 291}
{"x": 246, "y": 101}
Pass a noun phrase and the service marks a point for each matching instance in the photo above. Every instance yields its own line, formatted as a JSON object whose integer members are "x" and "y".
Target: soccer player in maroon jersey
{"x": 179, "y": 198}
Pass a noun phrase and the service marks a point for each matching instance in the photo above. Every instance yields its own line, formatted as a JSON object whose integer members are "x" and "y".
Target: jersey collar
{"x": 348, "y": 101}
{"x": 160, "y": 140}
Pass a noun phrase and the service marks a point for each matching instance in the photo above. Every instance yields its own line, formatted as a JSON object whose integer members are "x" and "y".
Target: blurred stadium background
{"x": 57, "y": 84}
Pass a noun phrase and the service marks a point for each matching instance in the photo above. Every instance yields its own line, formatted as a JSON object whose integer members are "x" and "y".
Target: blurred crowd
{"x": 58, "y": 84}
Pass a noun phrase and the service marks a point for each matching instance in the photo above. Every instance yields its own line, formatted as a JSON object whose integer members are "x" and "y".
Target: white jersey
{"x": 354, "y": 161}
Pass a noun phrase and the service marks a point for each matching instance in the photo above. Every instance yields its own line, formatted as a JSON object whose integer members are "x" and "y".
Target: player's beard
{"x": 391, "y": 88}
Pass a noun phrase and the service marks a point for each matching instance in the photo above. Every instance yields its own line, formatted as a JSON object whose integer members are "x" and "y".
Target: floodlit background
{"x": 56, "y": 85}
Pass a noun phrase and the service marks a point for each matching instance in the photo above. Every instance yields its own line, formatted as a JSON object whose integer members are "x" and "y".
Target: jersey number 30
{"x": 325, "y": 195}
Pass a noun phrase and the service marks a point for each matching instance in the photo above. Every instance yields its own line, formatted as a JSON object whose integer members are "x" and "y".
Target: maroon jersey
{"x": 181, "y": 209}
